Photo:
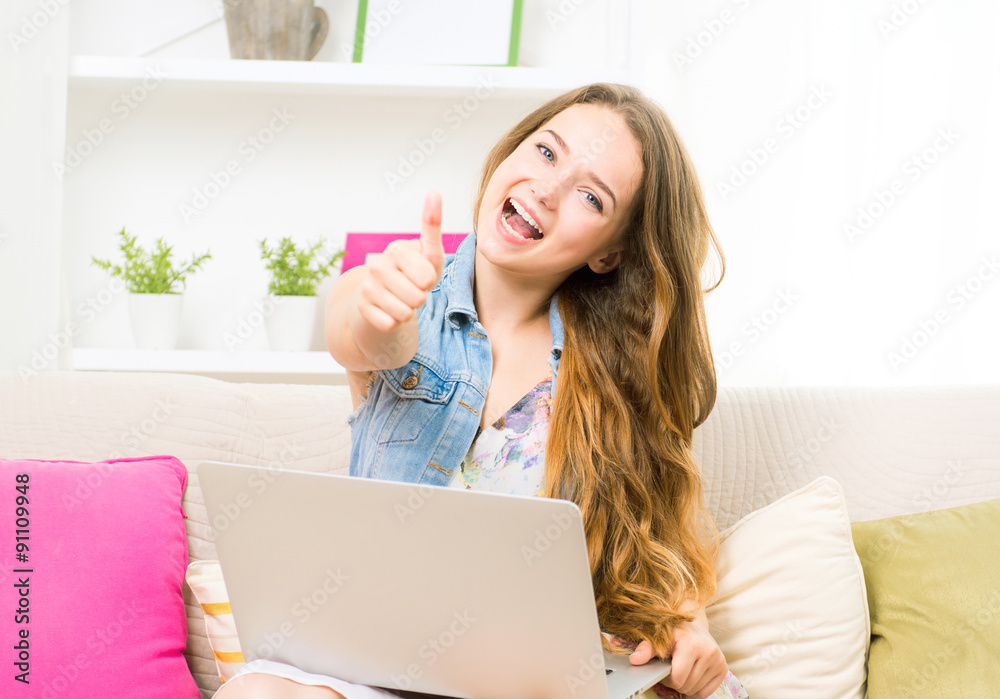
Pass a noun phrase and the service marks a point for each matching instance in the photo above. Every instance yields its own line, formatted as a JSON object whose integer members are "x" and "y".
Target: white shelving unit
{"x": 211, "y": 77}
{"x": 283, "y": 77}
{"x": 267, "y": 367}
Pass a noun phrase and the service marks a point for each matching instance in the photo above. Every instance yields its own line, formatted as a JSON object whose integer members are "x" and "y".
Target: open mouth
{"x": 519, "y": 222}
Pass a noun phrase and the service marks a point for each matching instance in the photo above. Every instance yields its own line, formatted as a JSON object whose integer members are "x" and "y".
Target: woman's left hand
{"x": 697, "y": 665}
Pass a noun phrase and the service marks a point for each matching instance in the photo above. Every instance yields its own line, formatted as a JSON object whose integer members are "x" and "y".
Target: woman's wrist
{"x": 696, "y": 610}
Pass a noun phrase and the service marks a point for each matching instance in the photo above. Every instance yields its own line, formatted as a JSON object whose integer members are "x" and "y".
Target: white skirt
{"x": 348, "y": 689}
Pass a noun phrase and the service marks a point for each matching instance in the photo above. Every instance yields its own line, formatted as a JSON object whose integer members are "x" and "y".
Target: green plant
{"x": 295, "y": 271}
{"x": 146, "y": 272}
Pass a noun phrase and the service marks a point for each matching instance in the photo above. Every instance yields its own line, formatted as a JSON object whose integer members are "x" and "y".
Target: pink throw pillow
{"x": 93, "y": 559}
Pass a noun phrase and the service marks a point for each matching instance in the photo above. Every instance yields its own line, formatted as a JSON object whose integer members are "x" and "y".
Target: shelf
{"x": 303, "y": 77}
{"x": 207, "y": 362}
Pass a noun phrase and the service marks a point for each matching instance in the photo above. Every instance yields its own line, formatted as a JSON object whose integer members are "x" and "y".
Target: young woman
{"x": 562, "y": 352}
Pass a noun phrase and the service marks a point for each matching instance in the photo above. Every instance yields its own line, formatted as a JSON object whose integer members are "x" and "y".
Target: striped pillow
{"x": 205, "y": 580}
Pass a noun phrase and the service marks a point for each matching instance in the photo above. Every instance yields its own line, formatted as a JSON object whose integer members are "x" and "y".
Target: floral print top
{"x": 509, "y": 457}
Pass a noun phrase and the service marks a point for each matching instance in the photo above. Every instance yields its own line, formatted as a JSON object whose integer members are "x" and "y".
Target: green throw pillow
{"x": 933, "y": 584}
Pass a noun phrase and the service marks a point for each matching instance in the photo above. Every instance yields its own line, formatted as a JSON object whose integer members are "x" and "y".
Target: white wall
{"x": 33, "y": 330}
{"x": 889, "y": 89}
{"x": 856, "y": 299}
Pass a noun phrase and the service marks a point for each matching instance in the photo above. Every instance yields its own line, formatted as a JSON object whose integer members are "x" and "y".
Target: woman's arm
{"x": 371, "y": 311}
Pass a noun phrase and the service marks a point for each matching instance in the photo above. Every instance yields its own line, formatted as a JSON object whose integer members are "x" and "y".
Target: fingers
{"x": 383, "y": 310}
{"x": 642, "y": 654}
{"x": 376, "y": 317}
{"x": 430, "y": 231}
{"x": 696, "y": 685}
{"x": 709, "y": 688}
{"x": 395, "y": 286}
{"x": 406, "y": 279}
{"x": 694, "y": 675}
{"x": 697, "y": 673}
{"x": 682, "y": 672}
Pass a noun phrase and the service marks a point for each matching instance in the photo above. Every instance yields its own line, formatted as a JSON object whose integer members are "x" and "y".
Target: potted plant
{"x": 295, "y": 274}
{"x": 155, "y": 287}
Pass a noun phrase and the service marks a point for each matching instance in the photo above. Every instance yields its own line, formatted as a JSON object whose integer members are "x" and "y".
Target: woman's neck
{"x": 508, "y": 303}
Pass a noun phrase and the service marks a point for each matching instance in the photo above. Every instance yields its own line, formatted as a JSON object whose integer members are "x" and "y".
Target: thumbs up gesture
{"x": 430, "y": 234}
{"x": 397, "y": 282}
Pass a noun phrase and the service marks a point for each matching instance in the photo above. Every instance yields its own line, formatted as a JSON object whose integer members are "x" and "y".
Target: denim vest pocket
{"x": 416, "y": 379}
{"x": 415, "y": 395}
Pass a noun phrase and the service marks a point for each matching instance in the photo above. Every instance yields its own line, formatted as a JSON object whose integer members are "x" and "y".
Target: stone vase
{"x": 283, "y": 30}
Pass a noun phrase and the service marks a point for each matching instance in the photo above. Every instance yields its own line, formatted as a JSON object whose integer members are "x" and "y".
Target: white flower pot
{"x": 155, "y": 319}
{"x": 290, "y": 323}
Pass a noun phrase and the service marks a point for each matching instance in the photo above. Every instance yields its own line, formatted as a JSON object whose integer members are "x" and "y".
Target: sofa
{"x": 893, "y": 451}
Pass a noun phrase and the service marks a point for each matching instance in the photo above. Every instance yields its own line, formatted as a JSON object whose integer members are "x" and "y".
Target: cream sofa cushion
{"x": 790, "y": 612}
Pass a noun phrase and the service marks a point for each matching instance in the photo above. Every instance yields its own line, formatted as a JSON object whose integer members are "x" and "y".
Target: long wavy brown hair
{"x": 636, "y": 376}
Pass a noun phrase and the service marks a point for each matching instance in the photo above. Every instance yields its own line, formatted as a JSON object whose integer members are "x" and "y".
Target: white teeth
{"x": 526, "y": 216}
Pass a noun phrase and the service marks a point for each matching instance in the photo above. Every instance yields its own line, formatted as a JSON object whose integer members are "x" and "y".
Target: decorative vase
{"x": 155, "y": 319}
{"x": 290, "y": 323}
{"x": 284, "y": 30}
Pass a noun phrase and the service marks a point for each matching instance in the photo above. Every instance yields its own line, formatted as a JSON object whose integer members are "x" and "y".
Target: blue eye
{"x": 546, "y": 152}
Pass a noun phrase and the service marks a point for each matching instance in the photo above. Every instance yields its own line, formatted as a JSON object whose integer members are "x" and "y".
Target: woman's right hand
{"x": 398, "y": 280}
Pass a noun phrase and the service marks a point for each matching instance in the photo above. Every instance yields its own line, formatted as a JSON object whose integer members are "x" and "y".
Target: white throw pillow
{"x": 790, "y": 611}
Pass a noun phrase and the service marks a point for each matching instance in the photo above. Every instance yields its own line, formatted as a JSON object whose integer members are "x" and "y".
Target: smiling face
{"x": 560, "y": 200}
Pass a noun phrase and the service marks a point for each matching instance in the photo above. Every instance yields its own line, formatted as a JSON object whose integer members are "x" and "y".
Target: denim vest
{"x": 417, "y": 422}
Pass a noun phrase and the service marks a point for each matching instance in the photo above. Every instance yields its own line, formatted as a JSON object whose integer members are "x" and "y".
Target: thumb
{"x": 643, "y": 654}
{"x": 430, "y": 231}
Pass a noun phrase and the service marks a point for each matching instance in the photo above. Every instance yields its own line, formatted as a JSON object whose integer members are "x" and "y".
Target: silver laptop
{"x": 413, "y": 588}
